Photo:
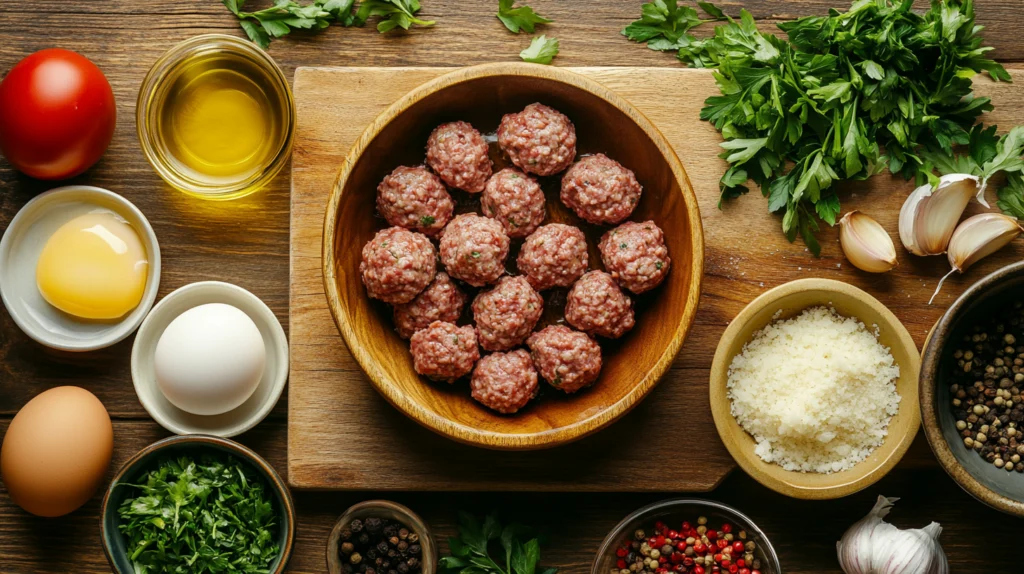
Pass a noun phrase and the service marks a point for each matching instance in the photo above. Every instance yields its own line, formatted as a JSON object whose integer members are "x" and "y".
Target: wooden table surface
{"x": 246, "y": 242}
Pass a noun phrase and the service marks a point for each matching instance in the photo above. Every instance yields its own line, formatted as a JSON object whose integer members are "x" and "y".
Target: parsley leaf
{"x": 211, "y": 514}
{"x": 488, "y": 548}
{"x": 663, "y": 24}
{"x": 541, "y": 50}
{"x": 1011, "y": 196}
{"x": 521, "y": 18}
{"x": 286, "y": 15}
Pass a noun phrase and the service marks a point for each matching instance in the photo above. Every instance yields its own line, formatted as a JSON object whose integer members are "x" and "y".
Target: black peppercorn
{"x": 355, "y": 558}
{"x": 372, "y": 554}
{"x": 370, "y": 570}
{"x": 347, "y": 547}
{"x": 345, "y": 534}
{"x": 379, "y": 561}
{"x": 382, "y": 547}
{"x": 356, "y": 526}
{"x": 414, "y": 549}
{"x": 373, "y": 525}
{"x": 346, "y": 568}
{"x": 413, "y": 562}
{"x": 392, "y": 571}
{"x": 390, "y": 530}
{"x": 392, "y": 553}
{"x": 403, "y": 568}
{"x": 403, "y": 533}
{"x": 414, "y": 538}
{"x": 364, "y": 539}
{"x": 402, "y": 546}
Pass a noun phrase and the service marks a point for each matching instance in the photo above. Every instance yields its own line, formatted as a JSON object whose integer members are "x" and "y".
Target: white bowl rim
{"x": 230, "y": 293}
{"x": 134, "y": 319}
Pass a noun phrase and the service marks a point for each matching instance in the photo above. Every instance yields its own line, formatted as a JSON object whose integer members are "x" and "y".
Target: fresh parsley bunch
{"x": 487, "y": 548}
{"x": 207, "y": 515}
{"x": 798, "y": 115}
{"x": 287, "y": 15}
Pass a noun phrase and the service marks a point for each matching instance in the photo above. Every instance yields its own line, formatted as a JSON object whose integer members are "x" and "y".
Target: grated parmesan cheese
{"x": 816, "y": 391}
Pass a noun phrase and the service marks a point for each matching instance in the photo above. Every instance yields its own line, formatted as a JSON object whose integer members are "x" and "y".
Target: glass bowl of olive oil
{"x": 215, "y": 117}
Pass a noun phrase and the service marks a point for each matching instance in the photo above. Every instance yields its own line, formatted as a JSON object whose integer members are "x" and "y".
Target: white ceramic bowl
{"x": 233, "y": 422}
{"x": 21, "y": 246}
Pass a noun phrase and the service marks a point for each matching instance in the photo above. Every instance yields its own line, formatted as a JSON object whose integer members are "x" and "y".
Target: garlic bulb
{"x": 929, "y": 216}
{"x": 866, "y": 243}
{"x": 977, "y": 238}
{"x": 873, "y": 546}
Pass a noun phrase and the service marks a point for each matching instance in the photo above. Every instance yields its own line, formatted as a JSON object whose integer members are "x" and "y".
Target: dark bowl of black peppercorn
{"x": 972, "y": 390}
{"x": 381, "y": 537}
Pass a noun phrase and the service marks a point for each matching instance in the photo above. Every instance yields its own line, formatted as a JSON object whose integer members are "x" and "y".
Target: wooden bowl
{"x": 790, "y": 300}
{"x": 604, "y": 123}
{"x": 383, "y": 509}
{"x": 995, "y": 487}
{"x": 176, "y": 446}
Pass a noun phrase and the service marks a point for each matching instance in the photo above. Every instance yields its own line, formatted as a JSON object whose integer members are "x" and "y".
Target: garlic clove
{"x": 866, "y": 243}
{"x": 930, "y": 214}
{"x": 980, "y": 236}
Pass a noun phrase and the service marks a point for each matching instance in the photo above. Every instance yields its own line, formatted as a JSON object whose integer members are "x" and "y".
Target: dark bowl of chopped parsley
{"x": 197, "y": 504}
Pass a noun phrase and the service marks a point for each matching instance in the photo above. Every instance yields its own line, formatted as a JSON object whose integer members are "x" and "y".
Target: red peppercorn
{"x": 687, "y": 561}
{"x": 686, "y": 526}
{"x": 675, "y": 557}
{"x": 621, "y": 552}
{"x": 680, "y": 568}
{"x": 672, "y": 534}
{"x": 681, "y": 545}
{"x": 662, "y": 560}
{"x": 620, "y": 564}
{"x": 659, "y": 541}
{"x": 712, "y": 535}
{"x": 726, "y": 563}
{"x": 744, "y": 571}
{"x": 659, "y": 526}
{"x": 755, "y": 572}
{"x": 727, "y": 528}
{"x": 700, "y": 548}
{"x": 699, "y": 570}
{"x": 718, "y": 557}
{"x": 737, "y": 547}
{"x": 741, "y": 563}
{"x": 733, "y": 569}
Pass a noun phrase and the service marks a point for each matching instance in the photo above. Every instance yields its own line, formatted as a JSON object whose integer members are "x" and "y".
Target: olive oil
{"x": 221, "y": 119}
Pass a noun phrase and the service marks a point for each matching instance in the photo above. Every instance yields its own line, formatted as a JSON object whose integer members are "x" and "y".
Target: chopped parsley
{"x": 623, "y": 246}
{"x": 427, "y": 220}
{"x": 658, "y": 265}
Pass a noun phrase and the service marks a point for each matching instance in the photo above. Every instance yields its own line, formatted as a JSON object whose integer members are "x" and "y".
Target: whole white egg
{"x": 210, "y": 359}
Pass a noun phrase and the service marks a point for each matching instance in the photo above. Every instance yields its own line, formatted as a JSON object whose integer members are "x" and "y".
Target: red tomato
{"x": 57, "y": 114}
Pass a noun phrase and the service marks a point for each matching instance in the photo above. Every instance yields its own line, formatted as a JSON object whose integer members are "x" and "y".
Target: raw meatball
{"x": 507, "y": 314}
{"x": 474, "y": 248}
{"x": 458, "y": 153}
{"x": 505, "y": 382}
{"x": 597, "y": 306}
{"x": 538, "y": 140}
{"x": 515, "y": 200}
{"x": 567, "y": 359}
{"x": 414, "y": 198}
{"x": 554, "y": 255}
{"x": 444, "y": 352}
{"x": 442, "y": 300}
{"x": 397, "y": 264}
{"x": 635, "y": 255}
{"x": 600, "y": 190}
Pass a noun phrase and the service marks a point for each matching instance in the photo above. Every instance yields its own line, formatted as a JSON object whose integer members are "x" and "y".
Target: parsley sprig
{"x": 287, "y": 15}
{"x": 664, "y": 24}
{"x": 207, "y": 515}
{"x": 520, "y": 18}
{"x": 801, "y": 114}
{"x": 541, "y": 50}
{"x": 487, "y": 548}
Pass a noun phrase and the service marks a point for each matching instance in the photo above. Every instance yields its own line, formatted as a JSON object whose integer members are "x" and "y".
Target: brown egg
{"x": 56, "y": 451}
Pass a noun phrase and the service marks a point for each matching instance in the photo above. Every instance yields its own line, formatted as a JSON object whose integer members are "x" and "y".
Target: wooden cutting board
{"x": 343, "y": 435}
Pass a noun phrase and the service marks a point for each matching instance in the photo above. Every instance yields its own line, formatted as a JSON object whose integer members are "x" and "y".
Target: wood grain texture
{"x": 246, "y": 242}
{"x": 604, "y": 123}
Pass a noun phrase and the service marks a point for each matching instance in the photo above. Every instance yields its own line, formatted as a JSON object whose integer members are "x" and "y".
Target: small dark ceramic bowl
{"x": 389, "y": 510}
{"x": 995, "y": 487}
{"x": 674, "y": 512}
{"x": 145, "y": 460}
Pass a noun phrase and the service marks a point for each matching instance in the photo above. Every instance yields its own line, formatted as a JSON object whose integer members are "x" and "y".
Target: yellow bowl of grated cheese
{"x": 814, "y": 389}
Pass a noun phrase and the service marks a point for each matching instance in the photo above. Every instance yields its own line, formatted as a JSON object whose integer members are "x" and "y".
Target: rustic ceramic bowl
{"x": 604, "y": 123}
{"x": 997, "y": 488}
{"x": 674, "y": 512}
{"x": 147, "y": 458}
{"x": 382, "y": 509}
{"x": 789, "y": 300}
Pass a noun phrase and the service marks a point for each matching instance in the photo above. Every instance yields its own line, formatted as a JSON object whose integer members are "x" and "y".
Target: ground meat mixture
{"x": 444, "y": 352}
{"x": 553, "y": 256}
{"x": 515, "y": 200}
{"x": 538, "y": 140}
{"x": 458, "y": 153}
{"x": 597, "y": 306}
{"x": 600, "y": 190}
{"x": 505, "y": 382}
{"x": 635, "y": 255}
{"x": 474, "y": 248}
{"x": 567, "y": 359}
{"x": 414, "y": 198}
{"x": 506, "y": 314}
{"x": 397, "y": 264}
{"x": 442, "y": 300}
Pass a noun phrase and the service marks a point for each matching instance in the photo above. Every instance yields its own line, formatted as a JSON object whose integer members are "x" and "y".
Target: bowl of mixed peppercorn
{"x": 972, "y": 390}
{"x": 686, "y": 536}
{"x": 381, "y": 537}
